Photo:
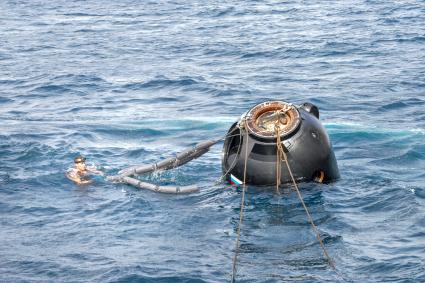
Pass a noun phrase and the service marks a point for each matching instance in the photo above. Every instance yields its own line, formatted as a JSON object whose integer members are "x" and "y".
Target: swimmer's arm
{"x": 94, "y": 170}
{"x": 76, "y": 178}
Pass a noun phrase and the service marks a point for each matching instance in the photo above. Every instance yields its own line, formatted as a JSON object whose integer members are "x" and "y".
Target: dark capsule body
{"x": 304, "y": 139}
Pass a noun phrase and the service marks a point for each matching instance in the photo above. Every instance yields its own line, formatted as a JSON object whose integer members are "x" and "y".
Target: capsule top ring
{"x": 263, "y": 119}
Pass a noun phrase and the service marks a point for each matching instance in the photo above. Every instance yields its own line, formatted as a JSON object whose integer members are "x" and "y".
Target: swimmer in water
{"x": 79, "y": 174}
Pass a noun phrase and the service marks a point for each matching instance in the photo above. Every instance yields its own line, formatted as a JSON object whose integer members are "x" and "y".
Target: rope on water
{"x": 237, "y": 246}
{"x": 283, "y": 156}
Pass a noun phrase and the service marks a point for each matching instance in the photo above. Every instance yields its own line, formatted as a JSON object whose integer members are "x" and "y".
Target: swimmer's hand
{"x": 85, "y": 182}
{"x": 93, "y": 169}
{"x": 76, "y": 178}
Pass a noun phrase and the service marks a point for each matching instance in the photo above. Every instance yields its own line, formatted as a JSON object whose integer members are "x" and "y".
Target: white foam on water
{"x": 371, "y": 128}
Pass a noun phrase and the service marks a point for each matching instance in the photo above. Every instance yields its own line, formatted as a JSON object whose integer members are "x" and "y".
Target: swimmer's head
{"x": 80, "y": 163}
{"x": 79, "y": 159}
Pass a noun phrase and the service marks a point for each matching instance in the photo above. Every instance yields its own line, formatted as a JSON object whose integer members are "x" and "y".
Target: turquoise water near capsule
{"x": 134, "y": 82}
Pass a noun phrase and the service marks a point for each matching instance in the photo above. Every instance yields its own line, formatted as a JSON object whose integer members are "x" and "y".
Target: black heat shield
{"x": 304, "y": 139}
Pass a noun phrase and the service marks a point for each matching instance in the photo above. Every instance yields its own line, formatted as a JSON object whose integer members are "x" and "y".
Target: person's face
{"x": 81, "y": 165}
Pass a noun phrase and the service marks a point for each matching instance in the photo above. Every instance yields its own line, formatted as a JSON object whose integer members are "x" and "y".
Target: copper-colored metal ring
{"x": 263, "y": 118}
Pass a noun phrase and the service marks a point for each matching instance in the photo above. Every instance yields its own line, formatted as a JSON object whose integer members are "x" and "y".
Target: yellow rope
{"x": 278, "y": 149}
{"x": 235, "y": 257}
{"x": 310, "y": 219}
{"x": 278, "y": 170}
{"x": 281, "y": 155}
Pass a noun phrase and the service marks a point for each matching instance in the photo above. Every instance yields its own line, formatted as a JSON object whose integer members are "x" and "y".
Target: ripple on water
{"x": 132, "y": 83}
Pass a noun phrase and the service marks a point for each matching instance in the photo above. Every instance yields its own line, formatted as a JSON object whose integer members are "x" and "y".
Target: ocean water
{"x": 131, "y": 82}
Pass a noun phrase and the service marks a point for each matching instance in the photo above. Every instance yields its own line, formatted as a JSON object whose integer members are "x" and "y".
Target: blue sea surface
{"x": 133, "y": 82}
